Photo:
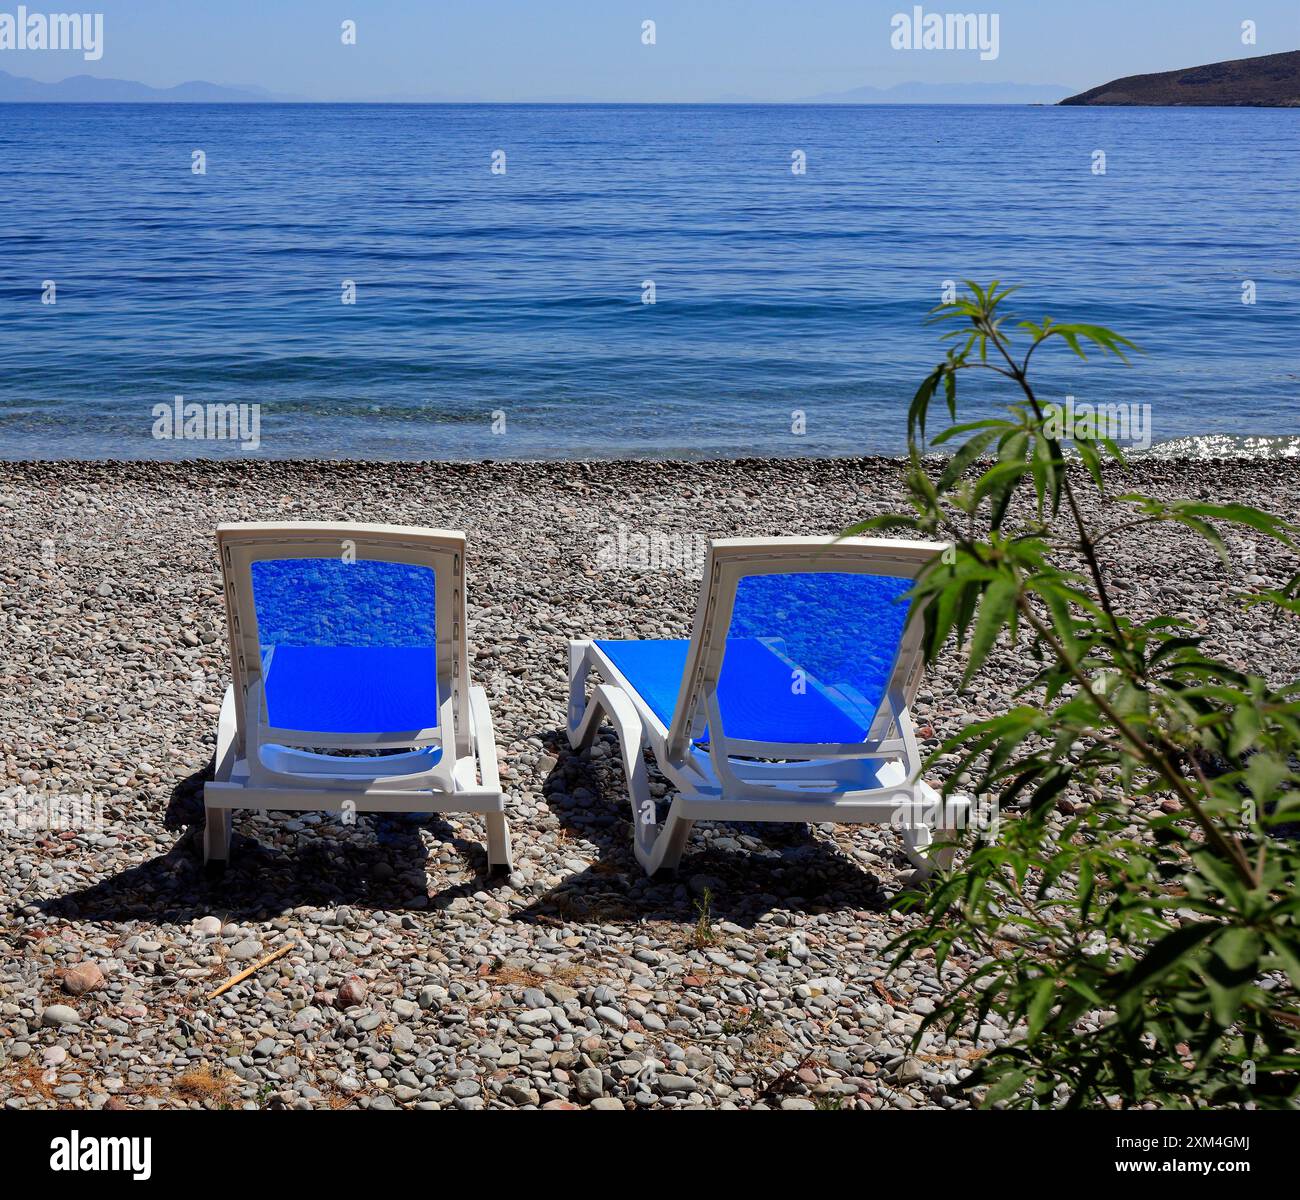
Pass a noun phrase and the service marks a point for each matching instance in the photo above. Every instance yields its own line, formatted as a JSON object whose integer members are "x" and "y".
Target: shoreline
{"x": 1198, "y": 448}
{"x": 411, "y": 985}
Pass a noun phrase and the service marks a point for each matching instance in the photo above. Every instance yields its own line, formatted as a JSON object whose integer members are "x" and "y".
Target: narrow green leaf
{"x": 995, "y": 612}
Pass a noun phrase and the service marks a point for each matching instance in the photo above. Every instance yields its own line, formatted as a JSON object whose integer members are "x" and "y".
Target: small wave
{"x": 1224, "y": 445}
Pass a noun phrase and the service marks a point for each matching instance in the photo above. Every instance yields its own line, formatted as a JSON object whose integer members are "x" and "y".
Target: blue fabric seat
{"x": 756, "y": 692}
{"x": 352, "y": 689}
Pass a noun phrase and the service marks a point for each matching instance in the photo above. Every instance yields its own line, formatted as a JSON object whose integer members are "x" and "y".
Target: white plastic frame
{"x": 834, "y": 782}
{"x": 259, "y": 766}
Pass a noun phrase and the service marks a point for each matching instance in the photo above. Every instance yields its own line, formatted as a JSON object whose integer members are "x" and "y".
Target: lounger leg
{"x": 916, "y": 840}
{"x": 577, "y": 688}
{"x": 657, "y": 847}
{"x": 583, "y": 734}
{"x": 652, "y": 851}
{"x": 944, "y": 817}
{"x": 218, "y": 821}
{"x": 664, "y": 853}
{"x": 498, "y": 843}
{"x": 216, "y": 835}
{"x": 485, "y": 746}
{"x": 645, "y": 827}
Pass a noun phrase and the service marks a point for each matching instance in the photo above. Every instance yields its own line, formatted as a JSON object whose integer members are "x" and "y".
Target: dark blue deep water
{"x": 522, "y": 294}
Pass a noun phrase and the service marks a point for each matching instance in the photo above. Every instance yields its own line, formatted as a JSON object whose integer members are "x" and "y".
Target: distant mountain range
{"x": 1269, "y": 81}
{"x": 90, "y": 89}
{"x": 948, "y": 93}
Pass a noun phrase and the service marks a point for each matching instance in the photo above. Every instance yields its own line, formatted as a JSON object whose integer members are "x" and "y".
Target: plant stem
{"x": 1085, "y": 540}
{"x": 1229, "y": 848}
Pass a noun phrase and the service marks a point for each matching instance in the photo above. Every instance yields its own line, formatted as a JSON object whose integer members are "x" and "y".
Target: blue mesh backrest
{"x": 330, "y": 602}
{"x": 347, "y": 647}
{"x": 809, "y": 655}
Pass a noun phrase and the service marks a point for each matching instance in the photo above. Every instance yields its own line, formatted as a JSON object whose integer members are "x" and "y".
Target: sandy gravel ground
{"x": 754, "y": 978}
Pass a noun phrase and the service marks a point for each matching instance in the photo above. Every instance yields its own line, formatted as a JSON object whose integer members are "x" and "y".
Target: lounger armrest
{"x": 484, "y": 739}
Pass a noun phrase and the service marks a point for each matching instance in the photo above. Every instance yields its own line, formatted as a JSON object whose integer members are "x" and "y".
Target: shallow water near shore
{"x": 501, "y": 316}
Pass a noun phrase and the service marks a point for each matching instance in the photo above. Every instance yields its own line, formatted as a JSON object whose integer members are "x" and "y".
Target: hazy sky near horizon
{"x": 511, "y": 50}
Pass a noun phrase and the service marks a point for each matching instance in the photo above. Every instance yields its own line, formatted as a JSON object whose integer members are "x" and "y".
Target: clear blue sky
{"x": 531, "y": 49}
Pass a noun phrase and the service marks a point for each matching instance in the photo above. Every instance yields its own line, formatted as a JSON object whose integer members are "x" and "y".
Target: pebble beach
{"x": 756, "y": 977}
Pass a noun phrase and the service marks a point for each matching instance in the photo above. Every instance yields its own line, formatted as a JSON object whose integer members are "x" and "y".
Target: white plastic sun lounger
{"x": 350, "y": 637}
{"x": 790, "y": 701}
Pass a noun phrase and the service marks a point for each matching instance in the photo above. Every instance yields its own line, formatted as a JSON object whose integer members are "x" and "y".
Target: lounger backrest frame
{"x": 240, "y": 545}
{"x": 732, "y": 559}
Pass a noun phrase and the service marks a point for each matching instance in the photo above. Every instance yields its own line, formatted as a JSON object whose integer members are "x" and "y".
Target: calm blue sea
{"x": 521, "y": 294}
